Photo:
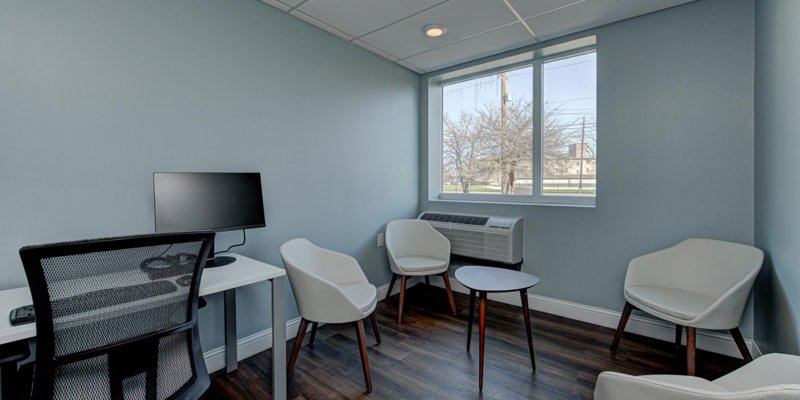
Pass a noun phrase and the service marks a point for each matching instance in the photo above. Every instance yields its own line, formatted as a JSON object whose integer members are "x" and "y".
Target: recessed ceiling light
{"x": 434, "y": 30}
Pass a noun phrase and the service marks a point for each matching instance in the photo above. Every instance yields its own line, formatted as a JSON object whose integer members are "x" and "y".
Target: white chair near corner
{"x": 329, "y": 288}
{"x": 415, "y": 248}
{"x": 770, "y": 377}
{"x": 699, "y": 284}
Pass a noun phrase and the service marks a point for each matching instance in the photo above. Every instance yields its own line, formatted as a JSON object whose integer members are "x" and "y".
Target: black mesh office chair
{"x": 117, "y": 318}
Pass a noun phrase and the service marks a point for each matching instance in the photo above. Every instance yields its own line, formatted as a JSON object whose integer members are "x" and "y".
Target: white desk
{"x": 244, "y": 271}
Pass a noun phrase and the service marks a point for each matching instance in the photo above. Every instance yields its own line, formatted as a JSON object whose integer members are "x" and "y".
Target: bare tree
{"x": 463, "y": 148}
{"x": 510, "y": 143}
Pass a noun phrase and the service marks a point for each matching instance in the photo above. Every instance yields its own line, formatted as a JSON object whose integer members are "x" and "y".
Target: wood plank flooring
{"x": 425, "y": 357}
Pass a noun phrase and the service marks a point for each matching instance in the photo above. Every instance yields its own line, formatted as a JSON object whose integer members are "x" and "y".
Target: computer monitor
{"x": 208, "y": 201}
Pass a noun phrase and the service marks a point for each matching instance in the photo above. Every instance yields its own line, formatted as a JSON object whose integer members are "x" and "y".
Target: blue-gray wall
{"x": 675, "y": 148}
{"x": 95, "y": 95}
{"x": 777, "y": 296}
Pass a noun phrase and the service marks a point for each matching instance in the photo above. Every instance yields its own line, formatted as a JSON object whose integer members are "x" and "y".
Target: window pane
{"x": 487, "y": 134}
{"x": 569, "y": 131}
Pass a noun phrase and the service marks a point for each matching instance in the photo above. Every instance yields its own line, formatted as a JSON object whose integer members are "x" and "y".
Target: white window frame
{"x": 434, "y": 104}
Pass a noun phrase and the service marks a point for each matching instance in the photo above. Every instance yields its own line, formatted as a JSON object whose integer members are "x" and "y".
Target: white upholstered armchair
{"x": 330, "y": 288}
{"x": 415, "y": 248}
{"x": 698, "y": 283}
{"x": 770, "y": 377}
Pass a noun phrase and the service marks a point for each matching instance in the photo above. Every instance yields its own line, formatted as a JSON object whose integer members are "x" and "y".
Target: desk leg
{"x": 279, "y": 338}
{"x": 231, "y": 356}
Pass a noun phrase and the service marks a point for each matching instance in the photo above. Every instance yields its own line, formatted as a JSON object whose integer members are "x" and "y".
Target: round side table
{"x": 482, "y": 280}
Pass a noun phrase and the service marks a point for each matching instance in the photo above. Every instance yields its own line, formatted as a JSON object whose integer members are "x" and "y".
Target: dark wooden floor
{"x": 426, "y": 358}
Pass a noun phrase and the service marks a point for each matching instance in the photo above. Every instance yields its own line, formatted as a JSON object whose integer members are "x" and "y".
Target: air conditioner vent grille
{"x": 456, "y": 219}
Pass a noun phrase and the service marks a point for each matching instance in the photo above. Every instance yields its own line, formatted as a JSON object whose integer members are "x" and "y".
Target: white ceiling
{"x": 475, "y": 28}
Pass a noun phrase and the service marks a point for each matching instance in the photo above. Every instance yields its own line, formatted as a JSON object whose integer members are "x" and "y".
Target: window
{"x": 519, "y": 131}
{"x": 487, "y": 134}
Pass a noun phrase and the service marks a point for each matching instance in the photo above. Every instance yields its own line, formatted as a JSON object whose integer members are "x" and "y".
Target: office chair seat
{"x": 677, "y": 303}
{"x": 421, "y": 265}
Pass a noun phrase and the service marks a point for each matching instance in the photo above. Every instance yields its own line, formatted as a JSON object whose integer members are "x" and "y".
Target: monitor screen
{"x": 193, "y": 201}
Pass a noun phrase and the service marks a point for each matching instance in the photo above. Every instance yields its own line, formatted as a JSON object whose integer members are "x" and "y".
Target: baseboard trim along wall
{"x": 256, "y": 343}
{"x": 706, "y": 340}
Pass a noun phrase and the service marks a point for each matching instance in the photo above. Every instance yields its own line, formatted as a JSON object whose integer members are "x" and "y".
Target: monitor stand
{"x": 219, "y": 261}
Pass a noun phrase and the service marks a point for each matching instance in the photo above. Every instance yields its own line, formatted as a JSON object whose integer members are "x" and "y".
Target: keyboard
{"x": 94, "y": 300}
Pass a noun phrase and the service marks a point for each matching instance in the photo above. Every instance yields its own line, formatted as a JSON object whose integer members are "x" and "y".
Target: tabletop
{"x": 214, "y": 280}
{"x": 493, "y": 279}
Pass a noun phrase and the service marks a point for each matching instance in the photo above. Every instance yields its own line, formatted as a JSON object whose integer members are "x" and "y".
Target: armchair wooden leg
{"x": 623, "y": 320}
{"x": 678, "y": 335}
{"x": 449, "y": 293}
{"x": 391, "y": 286}
{"x": 298, "y": 343}
{"x": 313, "y": 334}
{"x": 375, "y": 329}
{"x": 362, "y": 347}
{"x": 737, "y": 337}
{"x": 691, "y": 351}
{"x": 402, "y": 299}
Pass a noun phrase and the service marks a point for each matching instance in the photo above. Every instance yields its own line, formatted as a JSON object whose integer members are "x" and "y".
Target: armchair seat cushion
{"x": 418, "y": 265}
{"x": 364, "y": 296}
{"x": 677, "y": 303}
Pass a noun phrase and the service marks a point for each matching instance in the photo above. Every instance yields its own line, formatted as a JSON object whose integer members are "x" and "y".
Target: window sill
{"x": 514, "y": 203}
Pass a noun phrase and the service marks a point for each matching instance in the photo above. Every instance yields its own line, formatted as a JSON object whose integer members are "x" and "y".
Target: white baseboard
{"x": 261, "y": 341}
{"x": 706, "y": 340}
{"x": 248, "y": 346}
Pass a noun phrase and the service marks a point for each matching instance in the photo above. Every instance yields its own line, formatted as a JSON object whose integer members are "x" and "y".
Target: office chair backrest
{"x": 111, "y": 320}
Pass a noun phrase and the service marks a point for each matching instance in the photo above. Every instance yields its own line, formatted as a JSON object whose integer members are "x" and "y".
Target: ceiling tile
{"x": 277, "y": 4}
{"x": 374, "y": 50}
{"x": 496, "y": 41}
{"x": 321, "y": 25}
{"x": 359, "y": 17}
{"x": 530, "y": 8}
{"x": 593, "y": 13}
{"x": 463, "y": 18}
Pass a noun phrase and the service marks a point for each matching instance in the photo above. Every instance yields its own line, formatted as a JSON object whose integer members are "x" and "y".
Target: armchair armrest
{"x": 340, "y": 268}
{"x": 648, "y": 269}
{"x": 440, "y": 244}
{"x": 616, "y": 386}
{"x": 320, "y": 300}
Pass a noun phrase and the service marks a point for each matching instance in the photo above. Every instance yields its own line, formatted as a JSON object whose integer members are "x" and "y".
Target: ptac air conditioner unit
{"x": 497, "y": 239}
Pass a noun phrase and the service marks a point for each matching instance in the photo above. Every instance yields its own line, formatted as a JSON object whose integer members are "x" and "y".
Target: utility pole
{"x": 506, "y": 185}
{"x": 583, "y": 145}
